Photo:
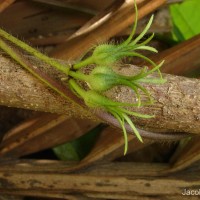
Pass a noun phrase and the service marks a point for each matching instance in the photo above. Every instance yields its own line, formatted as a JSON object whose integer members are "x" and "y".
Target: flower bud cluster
{"x": 103, "y": 78}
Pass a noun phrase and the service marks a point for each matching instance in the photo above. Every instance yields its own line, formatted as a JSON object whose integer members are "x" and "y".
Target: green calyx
{"x": 52, "y": 62}
{"x": 109, "y": 54}
{"x": 103, "y": 78}
{"x": 94, "y": 99}
{"x": 100, "y": 79}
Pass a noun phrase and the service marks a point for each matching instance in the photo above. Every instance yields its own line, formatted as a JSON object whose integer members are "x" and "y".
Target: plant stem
{"x": 78, "y": 75}
{"x": 77, "y": 88}
{"x": 83, "y": 63}
{"x": 19, "y": 60}
{"x": 37, "y": 54}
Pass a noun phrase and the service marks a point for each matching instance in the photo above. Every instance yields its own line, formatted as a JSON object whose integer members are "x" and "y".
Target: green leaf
{"x": 185, "y": 18}
{"x": 77, "y": 149}
{"x": 67, "y": 152}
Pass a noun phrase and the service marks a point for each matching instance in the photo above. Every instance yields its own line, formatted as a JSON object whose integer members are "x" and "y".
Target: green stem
{"x": 37, "y": 54}
{"x": 77, "y": 88}
{"x": 79, "y": 76}
{"x": 16, "y": 57}
{"x": 19, "y": 60}
{"x": 83, "y": 63}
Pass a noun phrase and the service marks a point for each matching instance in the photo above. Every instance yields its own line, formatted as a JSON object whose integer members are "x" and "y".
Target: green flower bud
{"x": 102, "y": 79}
{"x": 105, "y": 54}
{"x": 109, "y": 54}
{"x": 94, "y": 99}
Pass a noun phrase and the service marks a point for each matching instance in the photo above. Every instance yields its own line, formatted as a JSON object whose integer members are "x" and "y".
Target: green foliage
{"x": 33, "y": 52}
{"x": 79, "y": 148}
{"x": 102, "y": 78}
{"x": 66, "y": 152}
{"x": 185, "y": 18}
{"x": 109, "y": 54}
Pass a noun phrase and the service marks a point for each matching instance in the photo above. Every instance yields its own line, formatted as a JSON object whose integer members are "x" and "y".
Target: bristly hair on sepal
{"x": 103, "y": 77}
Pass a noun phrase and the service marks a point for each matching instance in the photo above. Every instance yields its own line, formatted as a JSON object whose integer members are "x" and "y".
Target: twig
{"x": 5, "y": 3}
{"x": 173, "y": 106}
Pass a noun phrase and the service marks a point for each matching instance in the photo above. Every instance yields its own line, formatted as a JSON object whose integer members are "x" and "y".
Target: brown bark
{"x": 108, "y": 181}
{"x": 176, "y": 106}
{"x": 21, "y": 89}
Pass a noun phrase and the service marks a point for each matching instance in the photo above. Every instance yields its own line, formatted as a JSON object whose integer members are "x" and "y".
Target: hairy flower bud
{"x": 105, "y": 54}
{"x": 109, "y": 54}
{"x": 102, "y": 79}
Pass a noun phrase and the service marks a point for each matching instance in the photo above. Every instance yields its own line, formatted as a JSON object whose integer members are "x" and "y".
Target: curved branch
{"x": 176, "y": 108}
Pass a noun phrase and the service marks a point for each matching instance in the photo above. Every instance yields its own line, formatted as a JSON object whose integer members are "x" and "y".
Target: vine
{"x": 102, "y": 77}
